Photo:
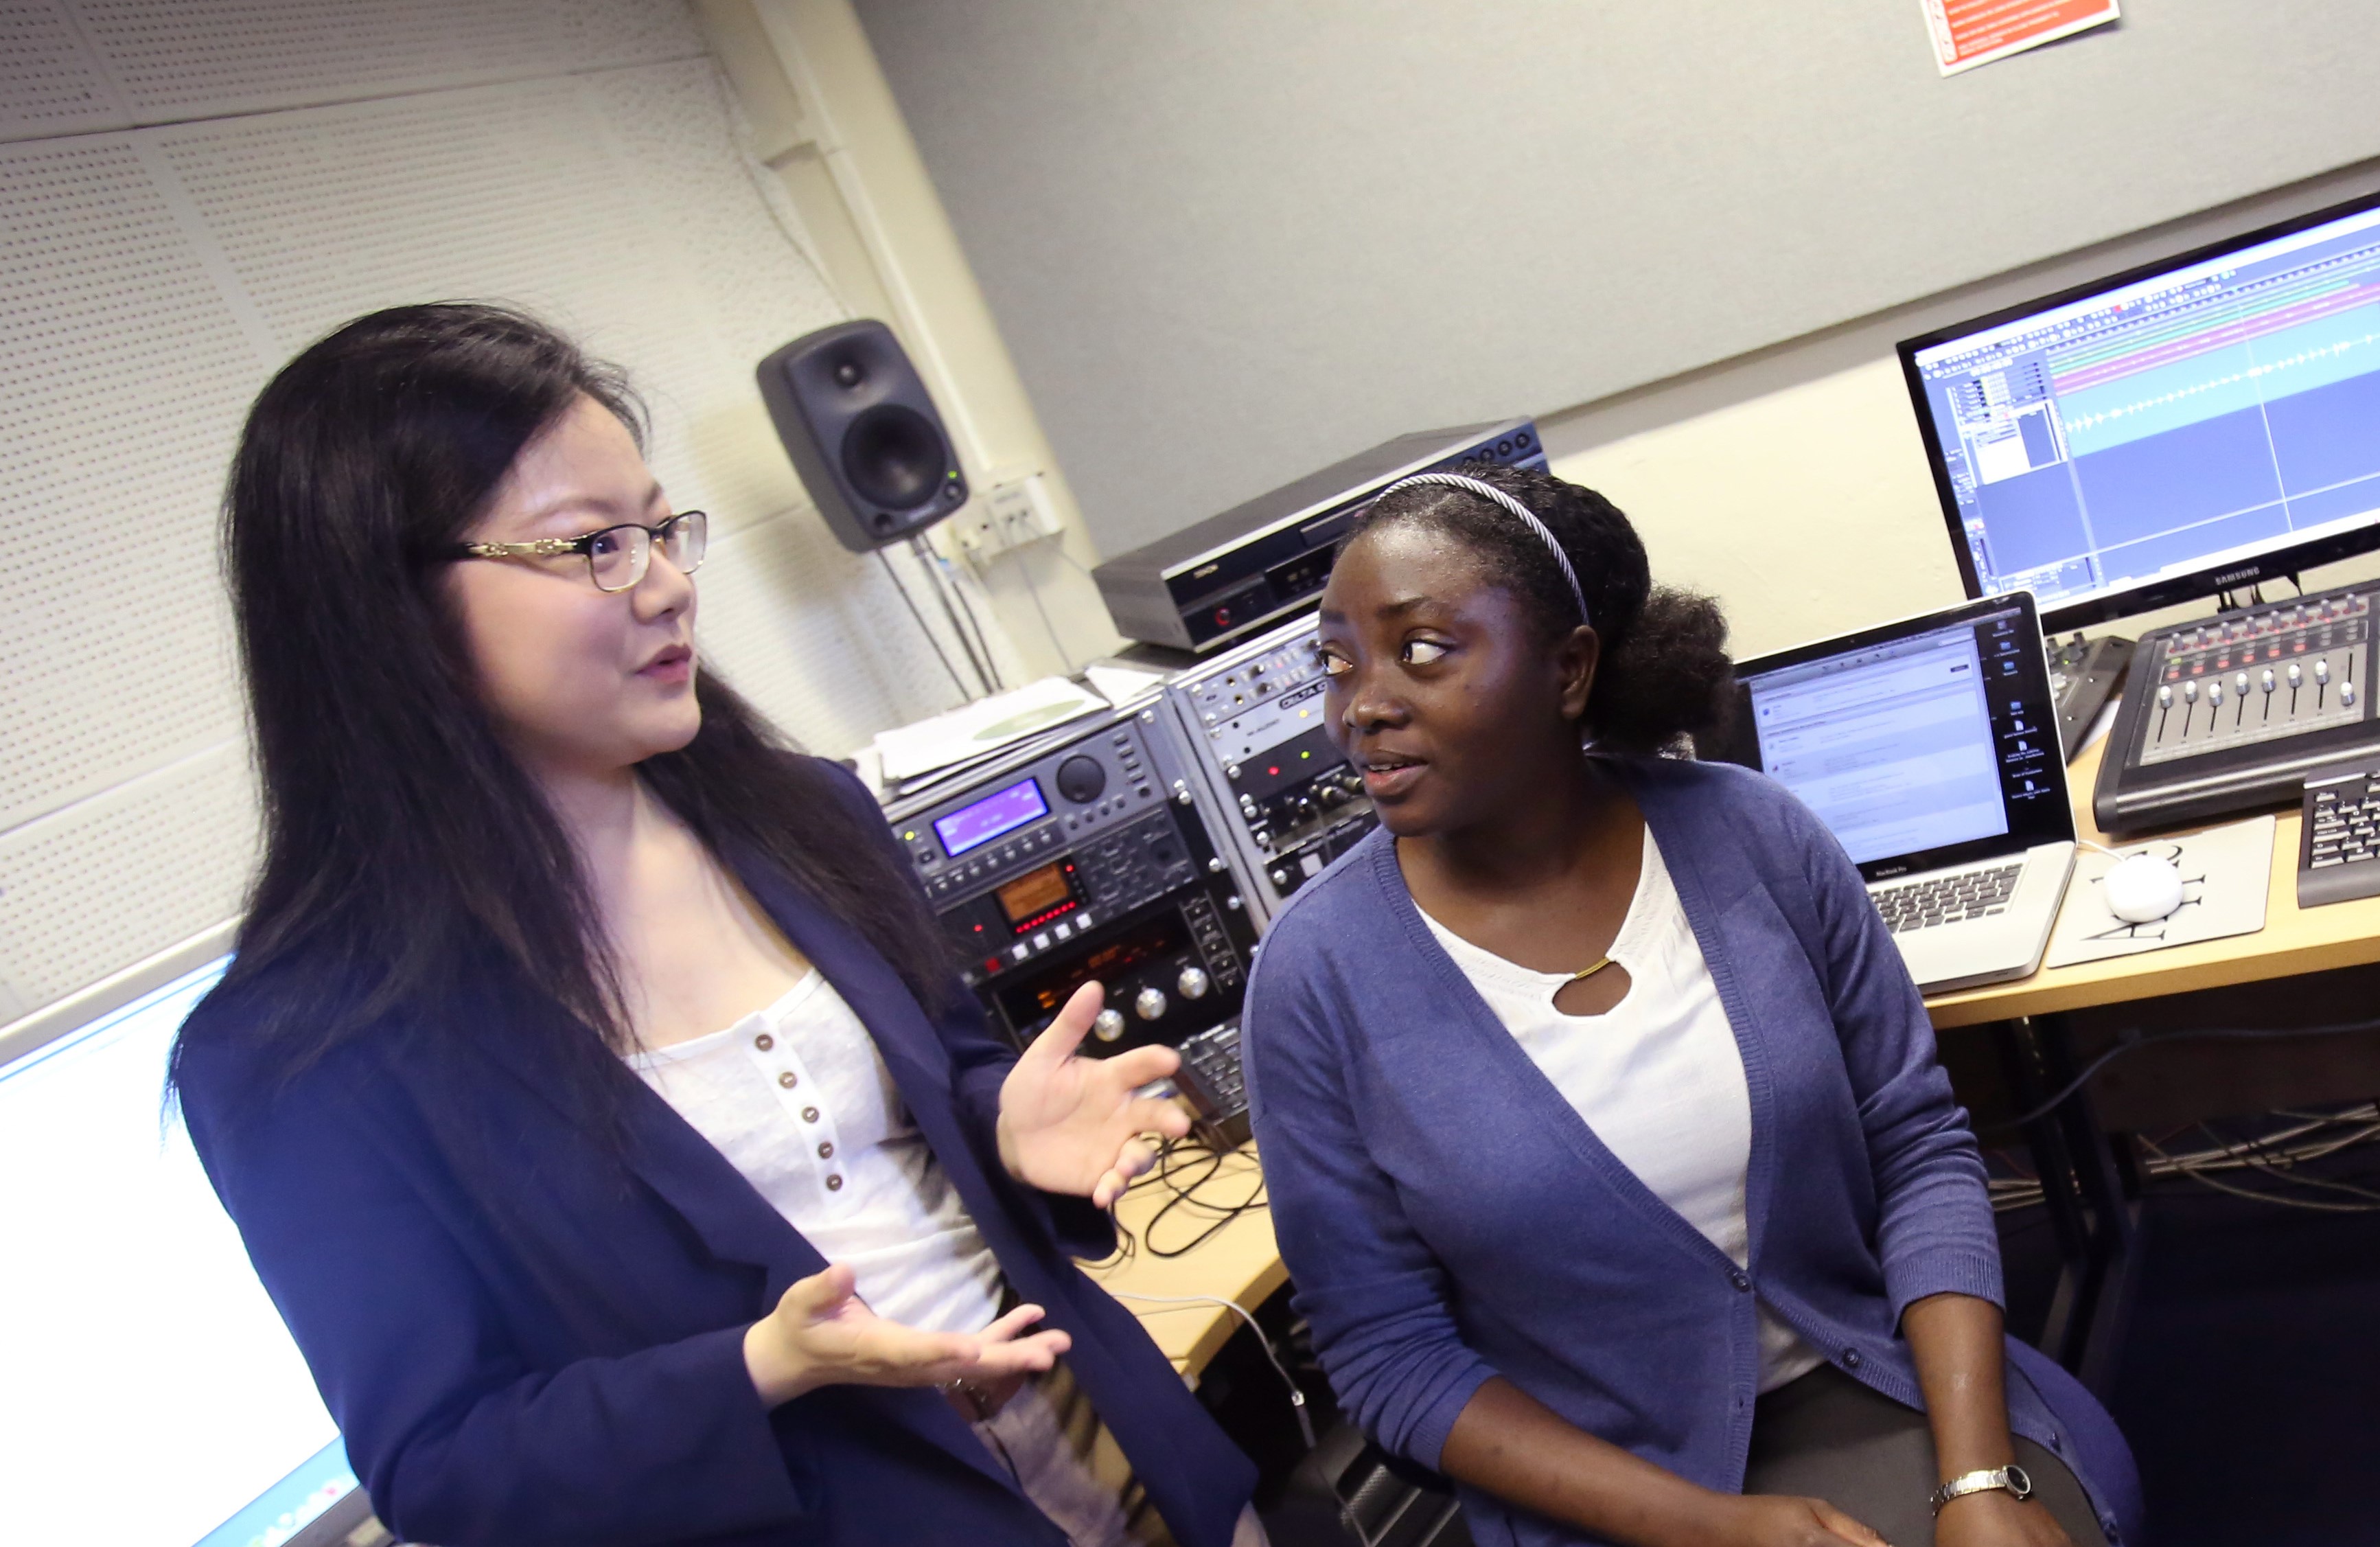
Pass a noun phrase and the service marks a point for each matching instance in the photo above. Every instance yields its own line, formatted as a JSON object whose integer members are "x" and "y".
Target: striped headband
{"x": 1496, "y": 497}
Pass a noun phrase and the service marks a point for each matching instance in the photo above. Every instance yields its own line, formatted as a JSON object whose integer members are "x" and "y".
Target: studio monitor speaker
{"x": 863, "y": 433}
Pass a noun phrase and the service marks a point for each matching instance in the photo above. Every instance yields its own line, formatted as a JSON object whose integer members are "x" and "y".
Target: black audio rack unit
{"x": 1255, "y": 564}
{"x": 1082, "y": 857}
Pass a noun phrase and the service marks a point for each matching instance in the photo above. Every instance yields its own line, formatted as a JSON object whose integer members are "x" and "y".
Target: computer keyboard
{"x": 1947, "y": 899}
{"x": 1211, "y": 1077}
{"x": 2338, "y": 850}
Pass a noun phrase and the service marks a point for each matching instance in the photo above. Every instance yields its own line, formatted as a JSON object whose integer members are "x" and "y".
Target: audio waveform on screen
{"x": 2078, "y": 423}
{"x": 2069, "y": 373}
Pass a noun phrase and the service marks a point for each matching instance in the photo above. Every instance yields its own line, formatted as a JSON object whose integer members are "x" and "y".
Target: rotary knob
{"x": 1108, "y": 1025}
{"x": 1193, "y": 982}
{"x": 1149, "y": 1004}
{"x": 1081, "y": 777}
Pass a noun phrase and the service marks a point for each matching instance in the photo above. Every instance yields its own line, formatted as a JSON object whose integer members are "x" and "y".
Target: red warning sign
{"x": 1970, "y": 32}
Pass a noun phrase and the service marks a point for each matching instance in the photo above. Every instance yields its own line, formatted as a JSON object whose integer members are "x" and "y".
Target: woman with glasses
{"x": 590, "y": 1085}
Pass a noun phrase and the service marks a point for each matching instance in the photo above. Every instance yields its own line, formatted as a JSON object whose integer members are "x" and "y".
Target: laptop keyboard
{"x": 1947, "y": 899}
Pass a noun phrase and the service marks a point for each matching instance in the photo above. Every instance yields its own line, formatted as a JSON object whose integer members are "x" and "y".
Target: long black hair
{"x": 402, "y": 843}
{"x": 1663, "y": 671}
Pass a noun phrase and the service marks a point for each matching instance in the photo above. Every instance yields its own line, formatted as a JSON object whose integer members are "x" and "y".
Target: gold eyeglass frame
{"x": 584, "y": 546}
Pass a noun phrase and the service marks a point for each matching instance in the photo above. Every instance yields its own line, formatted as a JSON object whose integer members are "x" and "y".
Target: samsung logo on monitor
{"x": 2245, "y": 572}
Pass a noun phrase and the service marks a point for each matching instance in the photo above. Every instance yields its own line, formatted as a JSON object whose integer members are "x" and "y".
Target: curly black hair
{"x": 1664, "y": 674}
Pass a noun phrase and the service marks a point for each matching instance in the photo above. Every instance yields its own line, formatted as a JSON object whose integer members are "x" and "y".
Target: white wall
{"x": 1793, "y": 483}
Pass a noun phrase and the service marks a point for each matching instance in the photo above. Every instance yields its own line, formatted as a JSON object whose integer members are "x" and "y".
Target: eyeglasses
{"x": 617, "y": 557}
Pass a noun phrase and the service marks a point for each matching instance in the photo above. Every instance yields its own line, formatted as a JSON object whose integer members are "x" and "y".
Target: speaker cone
{"x": 893, "y": 456}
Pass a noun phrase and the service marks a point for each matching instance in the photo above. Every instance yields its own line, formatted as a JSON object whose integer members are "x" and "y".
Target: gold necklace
{"x": 1584, "y": 973}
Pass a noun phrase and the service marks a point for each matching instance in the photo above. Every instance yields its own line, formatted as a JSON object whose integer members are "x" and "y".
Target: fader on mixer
{"x": 2229, "y": 715}
{"x": 2273, "y": 674}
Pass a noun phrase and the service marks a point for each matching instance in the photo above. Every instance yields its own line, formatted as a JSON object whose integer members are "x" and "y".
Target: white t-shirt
{"x": 799, "y": 1101}
{"x": 1658, "y": 1076}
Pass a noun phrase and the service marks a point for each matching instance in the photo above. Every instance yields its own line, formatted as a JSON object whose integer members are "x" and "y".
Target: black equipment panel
{"x": 1076, "y": 861}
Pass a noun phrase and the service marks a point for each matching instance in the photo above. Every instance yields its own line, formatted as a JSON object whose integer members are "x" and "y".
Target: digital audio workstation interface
{"x": 154, "y": 1398}
{"x": 1916, "y": 744}
{"x": 2221, "y": 409}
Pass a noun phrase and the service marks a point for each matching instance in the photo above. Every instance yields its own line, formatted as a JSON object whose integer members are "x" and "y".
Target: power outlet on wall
{"x": 1013, "y": 513}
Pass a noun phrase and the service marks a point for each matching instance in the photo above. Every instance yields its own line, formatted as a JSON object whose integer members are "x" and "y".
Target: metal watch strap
{"x": 2011, "y": 1478}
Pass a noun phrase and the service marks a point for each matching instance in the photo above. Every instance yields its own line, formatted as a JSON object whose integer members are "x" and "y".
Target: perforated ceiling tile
{"x": 102, "y": 884}
{"x": 122, "y": 378}
{"x": 176, "y": 60}
{"x": 49, "y": 82}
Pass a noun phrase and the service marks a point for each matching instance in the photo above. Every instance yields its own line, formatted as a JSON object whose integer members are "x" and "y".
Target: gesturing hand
{"x": 1071, "y": 1125}
{"x": 821, "y": 1334}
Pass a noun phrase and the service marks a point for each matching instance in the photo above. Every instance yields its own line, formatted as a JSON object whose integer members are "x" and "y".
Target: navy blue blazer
{"x": 527, "y": 1337}
{"x": 1447, "y": 1215}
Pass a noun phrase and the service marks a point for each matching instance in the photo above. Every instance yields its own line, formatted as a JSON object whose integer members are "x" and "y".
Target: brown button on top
{"x": 834, "y": 1184}
{"x": 809, "y": 1115}
{"x": 789, "y": 1080}
{"x": 826, "y": 1150}
{"x": 764, "y": 1042}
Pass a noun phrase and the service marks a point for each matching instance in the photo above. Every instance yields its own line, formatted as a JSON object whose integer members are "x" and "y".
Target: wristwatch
{"x": 2010, "y": 1477}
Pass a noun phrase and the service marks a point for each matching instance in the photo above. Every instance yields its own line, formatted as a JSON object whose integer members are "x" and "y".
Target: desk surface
{"x": 2313, "y": 940}
{"x": 1239, "y": 1263}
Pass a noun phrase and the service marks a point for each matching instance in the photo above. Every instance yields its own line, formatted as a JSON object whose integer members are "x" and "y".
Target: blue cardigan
{"x": 525, "y": 1340}
{"x": 1447, "y": 1215}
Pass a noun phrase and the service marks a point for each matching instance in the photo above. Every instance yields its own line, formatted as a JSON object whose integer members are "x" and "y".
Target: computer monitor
{"x": 2190, "y": 427}
{"x": 149, "y": 1394}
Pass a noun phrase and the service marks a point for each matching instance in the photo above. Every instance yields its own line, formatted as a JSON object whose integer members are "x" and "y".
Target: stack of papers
{"x": 948, "y": 744}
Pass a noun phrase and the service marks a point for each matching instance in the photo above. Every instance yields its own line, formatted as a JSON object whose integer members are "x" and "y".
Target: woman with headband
{"x": 1607, "y": 1143}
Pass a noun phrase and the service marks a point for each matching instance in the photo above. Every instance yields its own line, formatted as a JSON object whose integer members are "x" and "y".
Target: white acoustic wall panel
{"x": 150, "y": 281}
{"x": 49, "y": 82}
{"x": 122, "y": 377}
{"x": 180, "y": 59}
{"x": 110, "y": 880}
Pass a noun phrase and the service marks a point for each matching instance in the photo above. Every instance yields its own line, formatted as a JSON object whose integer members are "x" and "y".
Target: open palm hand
{"x": 1071, "y": 1125}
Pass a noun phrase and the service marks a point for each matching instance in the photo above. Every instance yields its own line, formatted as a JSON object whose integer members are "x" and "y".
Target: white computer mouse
{"x": 2141, "y": 888}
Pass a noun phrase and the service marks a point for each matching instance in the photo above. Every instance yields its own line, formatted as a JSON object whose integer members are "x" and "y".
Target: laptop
{"x": 1930, "y": 747}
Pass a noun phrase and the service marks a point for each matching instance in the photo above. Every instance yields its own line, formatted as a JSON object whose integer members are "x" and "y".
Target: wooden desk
{"x": 1239, "y": 1263}
{"x": 2292, "y": 941}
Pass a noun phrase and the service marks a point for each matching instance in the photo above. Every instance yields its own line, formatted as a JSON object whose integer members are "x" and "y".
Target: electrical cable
{"x": 1296, "y": 1394}
{"x": 2131, "y": 1040}
{"x": 892, "y": 575}
{"x": 1065, "y": 658}
{"x": 958, "y": 589}
{"x": 2198, "y": 1174}
{"x": 924, "y": 554}
{"x": 2278, "y": 1155}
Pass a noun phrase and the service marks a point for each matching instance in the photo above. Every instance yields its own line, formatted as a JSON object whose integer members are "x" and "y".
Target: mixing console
{"x": 2274, "y": 674}
{"x": 2228, "y": 714}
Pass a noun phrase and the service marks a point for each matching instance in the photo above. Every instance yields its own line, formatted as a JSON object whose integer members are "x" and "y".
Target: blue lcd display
{"x": 973, "y": 826}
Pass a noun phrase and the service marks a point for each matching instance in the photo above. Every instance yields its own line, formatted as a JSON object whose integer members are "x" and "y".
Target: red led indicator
{"x": 1273, "y": 772}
